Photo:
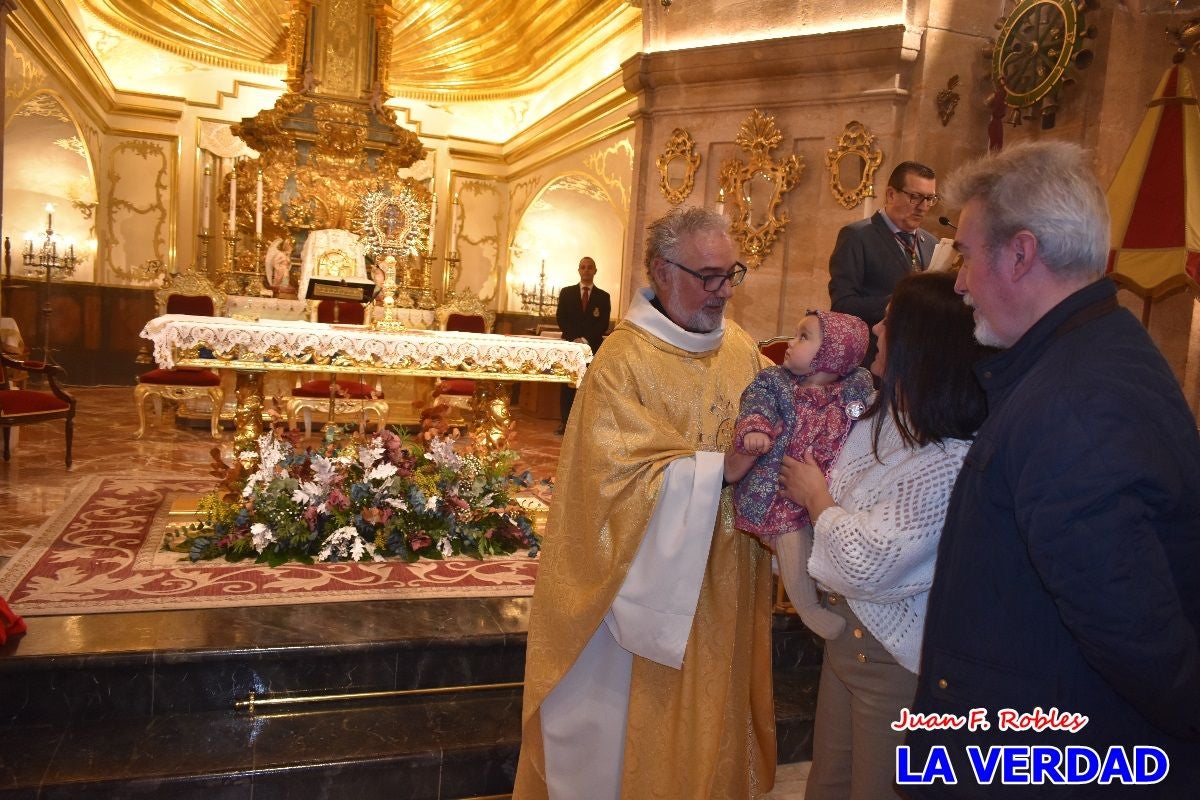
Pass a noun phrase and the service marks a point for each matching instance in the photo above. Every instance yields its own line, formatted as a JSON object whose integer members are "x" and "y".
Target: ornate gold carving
{"x": 466, "y": 304}
{"x": 44, "y": 104}
{"x": 677, "y": 166}
{"x": 614, "y": 167}
{"x": 23, "y": 74}
{"x": 947, "y": 101}
{"x": 191, "y": 284}
{"x": 153, "y": 178}
{"x": 756, "y": 189}
{"x": 852, "y": 164}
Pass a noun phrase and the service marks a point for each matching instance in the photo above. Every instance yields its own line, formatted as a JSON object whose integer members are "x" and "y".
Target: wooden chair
{"x": 29, "y": 406}
{"x": 348, "y": 398}
{"x": 193, "y": 294}
{"x": 465, "y": 313}
{"x": 774, "y": 348}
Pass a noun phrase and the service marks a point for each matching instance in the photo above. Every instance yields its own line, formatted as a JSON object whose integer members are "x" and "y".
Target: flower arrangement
{"x": 359, "y": 498}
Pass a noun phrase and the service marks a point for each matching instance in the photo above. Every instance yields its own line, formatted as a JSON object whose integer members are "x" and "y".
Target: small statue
{"x": 277, "y": 264}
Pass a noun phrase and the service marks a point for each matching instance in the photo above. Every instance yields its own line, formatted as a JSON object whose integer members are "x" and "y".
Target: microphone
{"x": 946, "y": 221}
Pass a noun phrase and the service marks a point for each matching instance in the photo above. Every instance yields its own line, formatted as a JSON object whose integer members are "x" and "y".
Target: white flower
{"x": 347, "y": 544}
{"x": 262, "y": 536}
{"x": 305, "y": 493}
{"x": 441, "y": 452}
{"x": 324, "y": 470}
{"x": 396, "y": 503}
{"x": 382, "y": 472}
{"x": 431, "y": 503}
{"x": 370, "y": 455}
{"x": 443, "y": 545}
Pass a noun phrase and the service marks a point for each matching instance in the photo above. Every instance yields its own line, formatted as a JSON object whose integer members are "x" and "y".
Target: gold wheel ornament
{"x": 1038, "y": 43}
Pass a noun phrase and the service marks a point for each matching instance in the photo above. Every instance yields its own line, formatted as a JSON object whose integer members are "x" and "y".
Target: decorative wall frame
{"x": 756, "y": 189}
{"x": 1038, "y": 42}
{"x": 852, "y": 164}
{"x": 677, "y": 166}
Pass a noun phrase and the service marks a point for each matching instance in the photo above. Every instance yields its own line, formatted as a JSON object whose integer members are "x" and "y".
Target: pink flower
{"x": 418, "y": 540}
{"x": 337, "y": 499}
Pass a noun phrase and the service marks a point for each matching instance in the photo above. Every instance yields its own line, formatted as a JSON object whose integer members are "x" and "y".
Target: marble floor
{"x": 34, "y": 482}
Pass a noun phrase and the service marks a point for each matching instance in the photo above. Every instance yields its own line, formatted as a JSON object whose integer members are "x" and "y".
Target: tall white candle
{"x": 258, "y": 207}
{"x": 206, "y": 205}
{"x": 233, "y": 197}
{"x": 49, "y": 216}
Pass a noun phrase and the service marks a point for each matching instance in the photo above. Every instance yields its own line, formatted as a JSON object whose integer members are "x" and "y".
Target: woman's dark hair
{"x": 928, "y": 385}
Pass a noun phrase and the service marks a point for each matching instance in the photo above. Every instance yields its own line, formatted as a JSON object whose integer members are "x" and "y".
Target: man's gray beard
{"x": 706, "y": 320}
{"x": 703, "y": 320}
{"x": 986, "y": 336}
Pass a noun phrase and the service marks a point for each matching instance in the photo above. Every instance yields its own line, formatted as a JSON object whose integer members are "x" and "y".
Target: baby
{"x": 808, "y": 402}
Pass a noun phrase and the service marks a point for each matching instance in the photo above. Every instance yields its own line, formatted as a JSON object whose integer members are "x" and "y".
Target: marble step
{"x": 454, "y": 746}
{"x": 145, "y": 706}
{"x": 442, "y": 747}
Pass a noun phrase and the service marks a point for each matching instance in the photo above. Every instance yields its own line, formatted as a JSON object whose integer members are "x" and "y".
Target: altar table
{"x": 292, "y": 346}
{"x": 251, "y": 349}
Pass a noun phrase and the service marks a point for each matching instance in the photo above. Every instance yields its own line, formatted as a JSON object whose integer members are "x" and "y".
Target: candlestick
{"x": 258, "y": 207}
{"x": 432, "y": 219}
{"x": 206, "y": 205}
{"x": 721, "y": 202}
{"x": 50, "y": 215}
{"x": 233, "y": 199}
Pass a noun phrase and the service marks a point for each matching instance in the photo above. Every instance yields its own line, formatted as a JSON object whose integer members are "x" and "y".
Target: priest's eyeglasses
{"x": 916, "y": 198}
{"x": 713, "y": 283}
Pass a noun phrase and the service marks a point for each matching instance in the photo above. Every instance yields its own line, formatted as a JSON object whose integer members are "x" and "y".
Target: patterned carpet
{"x": 88, "y": 540}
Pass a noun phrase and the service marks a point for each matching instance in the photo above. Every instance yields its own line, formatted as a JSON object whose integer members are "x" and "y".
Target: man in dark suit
{"x": 583, "y": 316}
{"x": 872, "y": 254}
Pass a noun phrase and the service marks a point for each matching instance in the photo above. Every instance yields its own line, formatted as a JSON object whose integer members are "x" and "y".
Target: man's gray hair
{"x": 665, "y": 234}
{"x": 1049, "y": 189}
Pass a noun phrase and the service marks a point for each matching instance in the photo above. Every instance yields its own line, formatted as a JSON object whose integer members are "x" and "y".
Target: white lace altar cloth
{"x": 316, "y": 347}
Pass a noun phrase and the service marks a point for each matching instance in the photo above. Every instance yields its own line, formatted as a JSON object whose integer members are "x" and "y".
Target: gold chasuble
{"x": 706, "y": 730}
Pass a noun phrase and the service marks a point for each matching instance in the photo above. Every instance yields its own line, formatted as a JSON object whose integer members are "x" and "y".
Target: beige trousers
{"x": 861, "y": 692}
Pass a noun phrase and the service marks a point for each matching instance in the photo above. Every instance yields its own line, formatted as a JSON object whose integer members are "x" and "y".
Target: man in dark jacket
{"x": 872, "y": 254}
{"x": 1067, "y": 583}
{"x": 583, "y": 314}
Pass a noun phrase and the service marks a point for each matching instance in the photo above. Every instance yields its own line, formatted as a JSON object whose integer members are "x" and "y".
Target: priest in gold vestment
{"x": 648, "y": 669}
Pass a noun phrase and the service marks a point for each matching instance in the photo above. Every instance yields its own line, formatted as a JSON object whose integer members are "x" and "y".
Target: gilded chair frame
{"x": 189, "y": 284}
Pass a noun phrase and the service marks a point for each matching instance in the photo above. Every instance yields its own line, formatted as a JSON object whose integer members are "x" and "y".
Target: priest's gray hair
{"x": 664, "y": 236}
{"x": 1049, "y": 189}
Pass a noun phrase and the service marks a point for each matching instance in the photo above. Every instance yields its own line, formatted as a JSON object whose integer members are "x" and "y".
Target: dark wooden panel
{"x": 93, "y": 329}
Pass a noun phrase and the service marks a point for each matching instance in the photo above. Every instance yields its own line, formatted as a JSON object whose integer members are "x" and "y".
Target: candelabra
{"x": 45, "y": 259}
{"x": 391, "y": 319}
{"x": 243, "y": 270}
{"x": 544, "y": 302}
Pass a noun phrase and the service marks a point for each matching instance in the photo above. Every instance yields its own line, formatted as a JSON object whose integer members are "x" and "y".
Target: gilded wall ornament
{"x": 947, "y": 101}
{"x": 677, "y": 166}
{"x": 1037, "y": 43}
{"x": 756, "y": 189}
{"x": 852, "y": 164}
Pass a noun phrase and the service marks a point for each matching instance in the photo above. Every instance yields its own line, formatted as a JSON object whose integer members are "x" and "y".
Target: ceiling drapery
{"x": 443, "y": 49}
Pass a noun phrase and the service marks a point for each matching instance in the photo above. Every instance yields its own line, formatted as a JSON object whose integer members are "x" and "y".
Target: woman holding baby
{"x": 876, "y": 516}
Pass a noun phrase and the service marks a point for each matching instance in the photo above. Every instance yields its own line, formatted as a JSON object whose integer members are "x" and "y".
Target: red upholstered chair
{"x": 27, "y": 406}
{"x": 465, "y": 313}
{"x": 774, "y": 348}
{"x": 349, "y": 398}
{"x": 187, "y": 293}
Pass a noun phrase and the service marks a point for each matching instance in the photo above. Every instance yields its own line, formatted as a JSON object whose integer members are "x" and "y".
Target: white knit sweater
{"x": 877, "y": 546}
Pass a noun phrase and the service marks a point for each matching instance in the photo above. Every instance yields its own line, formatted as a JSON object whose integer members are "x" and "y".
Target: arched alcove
{"x": 571, "y": 217}
{"x": 46, "y": 162}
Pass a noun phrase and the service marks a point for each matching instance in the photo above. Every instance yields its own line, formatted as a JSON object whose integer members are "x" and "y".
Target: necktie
{"x": 583, "y": 295}
{"x": 908, "y": 241}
